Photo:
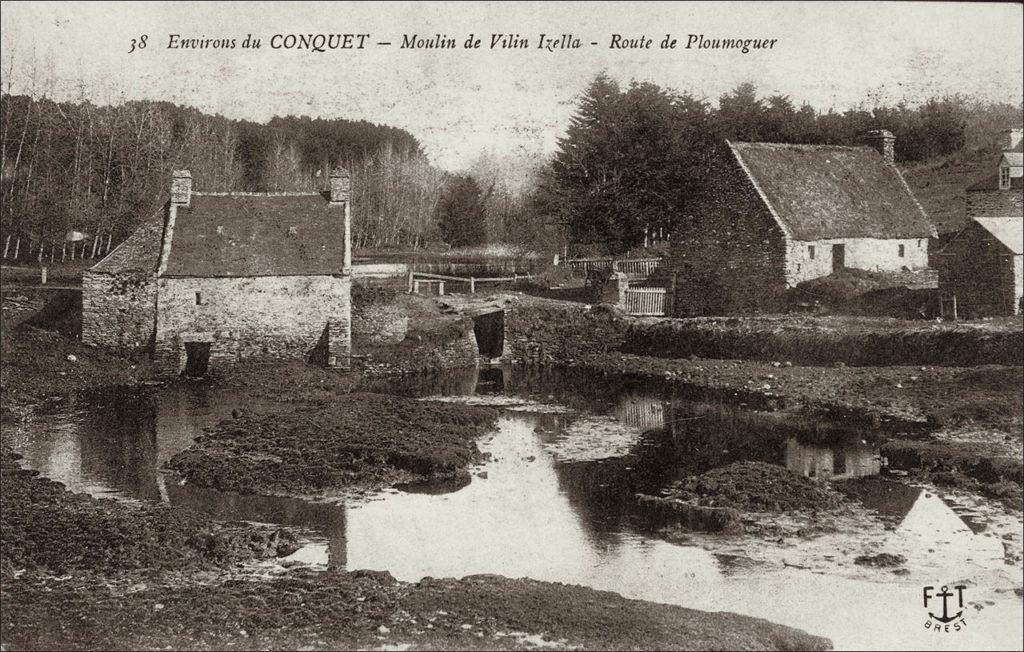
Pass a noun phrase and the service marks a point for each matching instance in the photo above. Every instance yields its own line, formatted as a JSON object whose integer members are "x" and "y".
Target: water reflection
{"x": 565, "y": 516}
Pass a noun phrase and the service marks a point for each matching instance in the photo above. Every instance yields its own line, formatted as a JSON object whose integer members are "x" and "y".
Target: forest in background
{"x": 631, "y": 159}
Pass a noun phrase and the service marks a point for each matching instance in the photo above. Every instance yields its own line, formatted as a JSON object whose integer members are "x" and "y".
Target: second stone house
{"x": 774, "y": 215}
{"x": 219, "y": 277}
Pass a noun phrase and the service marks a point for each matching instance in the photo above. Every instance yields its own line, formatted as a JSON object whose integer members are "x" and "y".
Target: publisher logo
{"x": 945, "y": 608}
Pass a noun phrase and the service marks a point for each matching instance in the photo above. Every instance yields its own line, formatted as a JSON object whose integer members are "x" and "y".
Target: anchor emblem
{"x": 945, "y": 594}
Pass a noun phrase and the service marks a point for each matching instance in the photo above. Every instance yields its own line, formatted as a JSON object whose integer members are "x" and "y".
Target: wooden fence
{"x": 637, "y": 268}
{"x": 633, "y": 268}
{"x": 645, "y": 302}
{"x": 27, "y": 250}
{"x": 418, "y": 279}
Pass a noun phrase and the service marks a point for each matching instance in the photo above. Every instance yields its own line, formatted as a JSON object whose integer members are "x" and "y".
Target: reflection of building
{"x": 836, "y": 462}
{"x": 641, "y": 412}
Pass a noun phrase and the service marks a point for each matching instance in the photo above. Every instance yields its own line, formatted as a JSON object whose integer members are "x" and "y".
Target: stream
{"x": 555, "y": 501}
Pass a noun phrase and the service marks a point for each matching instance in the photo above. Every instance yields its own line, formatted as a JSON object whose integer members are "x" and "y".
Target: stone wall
{"x": 541, "y": 331}
{"x": 379, "y": 323}
{"x": 730, "y": 254}
{"x": 870, "y": 254}
{"x": 286, "y": 317}
{"x": 985, "y": 279}
{"x": 118, "y": 310}
{"x": 995, "y": 203}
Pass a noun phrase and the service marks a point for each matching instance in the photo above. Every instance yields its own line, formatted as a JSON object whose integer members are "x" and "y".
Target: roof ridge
{"x": 286, "y": 193}
{"x": 801, "y": 145}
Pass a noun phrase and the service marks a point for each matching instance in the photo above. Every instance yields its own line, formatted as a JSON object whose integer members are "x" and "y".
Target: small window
{"x": 919, "y": 243}
{"x": 903, "y": 250}
{"x": 1004, "y": 177}
{"x": 199, "y": 298}
{"x": 810, "y": 251}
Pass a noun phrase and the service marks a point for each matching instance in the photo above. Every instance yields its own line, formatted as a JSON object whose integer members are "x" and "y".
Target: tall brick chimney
{"x": 181, "y": 188}
{"x": 883, "y": 141}
{"x": 1012, "y": 138}
{"x": 340, "y": 185}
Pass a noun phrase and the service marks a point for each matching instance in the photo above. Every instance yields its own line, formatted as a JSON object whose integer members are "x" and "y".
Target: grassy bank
{"x": 859, "y": 341}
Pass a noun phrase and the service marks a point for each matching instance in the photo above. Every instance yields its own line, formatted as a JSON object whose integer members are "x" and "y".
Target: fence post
{"x": 411, "y": 282}
{"x": 42, "y": 276}
{"x": 472, "y": 285}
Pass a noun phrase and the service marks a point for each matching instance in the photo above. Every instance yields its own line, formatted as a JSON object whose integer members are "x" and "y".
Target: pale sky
{"x": 460, "y": 103}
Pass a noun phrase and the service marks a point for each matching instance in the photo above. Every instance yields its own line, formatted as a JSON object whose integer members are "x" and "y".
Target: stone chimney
{"x": 181, "y": 188}
{"x": 340, "y": 185}
{"x": 883, "y": 141}
{"x": 1012, "y": 138}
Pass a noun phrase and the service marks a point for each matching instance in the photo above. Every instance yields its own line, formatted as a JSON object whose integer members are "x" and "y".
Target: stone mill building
{"x": 218, "y": 277}
{"x": 774, "y": 215}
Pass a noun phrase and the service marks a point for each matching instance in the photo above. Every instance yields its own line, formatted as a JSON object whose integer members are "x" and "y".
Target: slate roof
{"x": 226, "y": 235}
{"x": 826, "y": 191}
{"x": 140, "y": 252}
{"x": 1007, "y": 230}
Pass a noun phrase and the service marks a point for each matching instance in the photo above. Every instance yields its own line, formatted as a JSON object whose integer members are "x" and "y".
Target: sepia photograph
{"x": 511, "y": 325}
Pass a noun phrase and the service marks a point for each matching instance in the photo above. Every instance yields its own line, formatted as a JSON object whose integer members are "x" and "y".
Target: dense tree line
{"x": 633, "y": 157}
{"x": 76, "y": 166}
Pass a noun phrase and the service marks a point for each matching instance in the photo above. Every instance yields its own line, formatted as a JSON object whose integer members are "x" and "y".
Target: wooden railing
{"x": 582, "y": 266}
{"x": 637, "y": 268}
{"x": 417, "y": 278}
{"x": 634, "y": 268}
{"x": 645, "y": 302}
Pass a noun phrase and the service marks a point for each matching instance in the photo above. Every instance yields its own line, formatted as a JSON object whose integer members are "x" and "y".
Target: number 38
{"x": 139, "y": 43}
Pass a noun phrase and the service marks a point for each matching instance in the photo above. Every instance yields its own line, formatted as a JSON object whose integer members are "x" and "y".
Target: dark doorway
{"x": 197, "y": 359}
{"x": 489, "y": 330}
{"x": 838, "y": 257}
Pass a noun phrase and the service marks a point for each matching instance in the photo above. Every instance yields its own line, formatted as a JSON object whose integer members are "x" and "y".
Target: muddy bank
{"x": 358, "y": 440}
{"x": 728, "y": 499}
{"x": 36, "y": 364}
{"x": 46, "y": 529}
{"x": 981, "y": 468}
{"x": 369, "y": 610}
{"x": 926, "y": 396}
{"x": 757, "y": 487}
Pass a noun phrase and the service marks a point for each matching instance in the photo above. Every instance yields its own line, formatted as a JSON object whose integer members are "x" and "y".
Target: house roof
{"x": 1007, "y": 230}
{"x": 991, "y": 182}
{"x": 827, "y": 191}
{"x": 236, "y": 234}
{"x": 140, "y": 252}
{"x": 1014, "y": 159}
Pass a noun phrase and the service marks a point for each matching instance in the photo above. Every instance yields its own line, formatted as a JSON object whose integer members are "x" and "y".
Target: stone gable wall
{"x": 730, "y": 254}
{"x": 284, "y": 317}
{"x": 985, "y": 279}
{"x": 119, "y": 310}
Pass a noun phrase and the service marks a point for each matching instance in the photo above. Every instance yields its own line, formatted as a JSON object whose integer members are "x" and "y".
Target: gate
{"x": 645, "y": 302}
